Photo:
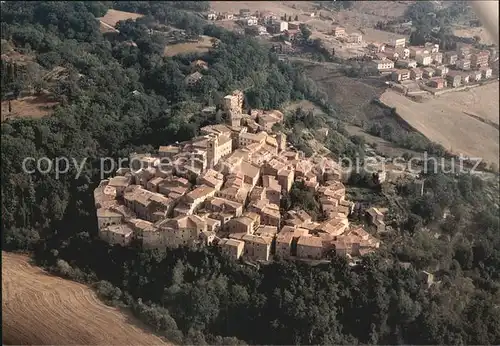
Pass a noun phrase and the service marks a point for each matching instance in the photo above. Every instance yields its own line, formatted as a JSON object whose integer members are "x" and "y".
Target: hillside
{"x": 42, "y": 309}
{"x": 435, "y": 279}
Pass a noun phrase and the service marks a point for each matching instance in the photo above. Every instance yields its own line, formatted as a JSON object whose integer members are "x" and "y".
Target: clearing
{"x": 201, "y": 46}
{"x": 42, "y": 309}
{"x": 382, "y": 146}
{"x": 353, "y": 96}
{"x": 28, "y": 107}
{"x": 114, "y": 16}
{"x": 442, "y": 120}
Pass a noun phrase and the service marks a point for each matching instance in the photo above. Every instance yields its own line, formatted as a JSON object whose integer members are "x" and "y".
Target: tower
{"x": 281, "y": 139}
{"x": 233, "y": 105}
{"x": 212, "y": 150}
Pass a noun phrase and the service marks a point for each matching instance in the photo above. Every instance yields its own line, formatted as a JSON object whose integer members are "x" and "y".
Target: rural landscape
{"x": 50, "y": 305}
{"x": 216, "y": 202}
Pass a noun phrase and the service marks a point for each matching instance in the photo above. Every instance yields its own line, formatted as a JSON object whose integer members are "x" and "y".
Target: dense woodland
{"x": 197, "y": 296}
{"x": 431, "y": 23}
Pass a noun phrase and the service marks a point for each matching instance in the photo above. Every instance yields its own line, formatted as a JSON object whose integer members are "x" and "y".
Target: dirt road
{"x": 42, "y": 309}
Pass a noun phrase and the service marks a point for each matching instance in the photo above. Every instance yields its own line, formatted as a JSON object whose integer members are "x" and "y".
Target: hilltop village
{"x": 224, "y": 189}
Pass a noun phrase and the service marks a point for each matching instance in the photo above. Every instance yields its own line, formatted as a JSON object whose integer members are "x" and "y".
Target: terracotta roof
{"x": 257, "y": 239}
{"x": 249, "y": 169}
{"x": 232, "y": 242}
{"x": 311, "y": 241}
{"x": 120, "y": 181}
{"x": 200, "y": 192}
{"x": 122, "y": 229}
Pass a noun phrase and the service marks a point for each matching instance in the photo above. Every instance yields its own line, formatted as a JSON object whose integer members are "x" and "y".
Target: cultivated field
{"x": 382, "y": 9}
{"x": 42, "y": 309}
{"x": 442, "y": 120}
{"x": 28, "y": 107}
{"x": 201, "y": 46}
{"x": 277, "y": 7}
{"x": 114, "y": 16}
{"x": 471, "y": 32}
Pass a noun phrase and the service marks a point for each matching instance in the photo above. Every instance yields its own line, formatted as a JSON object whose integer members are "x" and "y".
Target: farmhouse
{"x": 338, "y": 31}
{"x": 355, "y": 38}
{"x": 193, "y": 79}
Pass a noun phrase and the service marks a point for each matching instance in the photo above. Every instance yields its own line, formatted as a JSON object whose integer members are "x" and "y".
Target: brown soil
{"x": 114, "y": 16}
{"x": 189, "y": 47}
{"x": 28, "y": 107}
{"x": 442, "y": 120}
{"x": 42, "y": 309}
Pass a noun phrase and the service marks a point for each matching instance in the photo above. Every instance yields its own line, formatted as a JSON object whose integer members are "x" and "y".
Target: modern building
{"x": 400, "y": 75}
{"x": 454, "y": 79}
{"x": 463, "y": 64}
{"x": 382, "y": 65}
{"x": 480, "y": 59}
{"x": 437, "y": 82}
{"x": 424, "y": 59}
{"x": 399, "y": 42}
{"x": 416, "y": 73}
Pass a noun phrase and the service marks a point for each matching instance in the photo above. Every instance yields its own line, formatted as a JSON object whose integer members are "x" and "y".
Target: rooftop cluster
{"x": 224, "y": 188}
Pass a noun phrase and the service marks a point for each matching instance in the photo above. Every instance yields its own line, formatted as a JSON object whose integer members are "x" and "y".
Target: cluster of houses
{"x": 224, "y": 188}
{"x": 342, "y": 35}
{"x": 427, "y": 64}
{"x": 263, "y": 23}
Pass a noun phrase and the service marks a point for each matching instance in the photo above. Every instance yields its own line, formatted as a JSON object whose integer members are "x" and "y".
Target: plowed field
{"x": 42, "y": 309}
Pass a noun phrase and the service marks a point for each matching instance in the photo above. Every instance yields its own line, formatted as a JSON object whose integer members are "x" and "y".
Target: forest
{"x": 196, "y": 295}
